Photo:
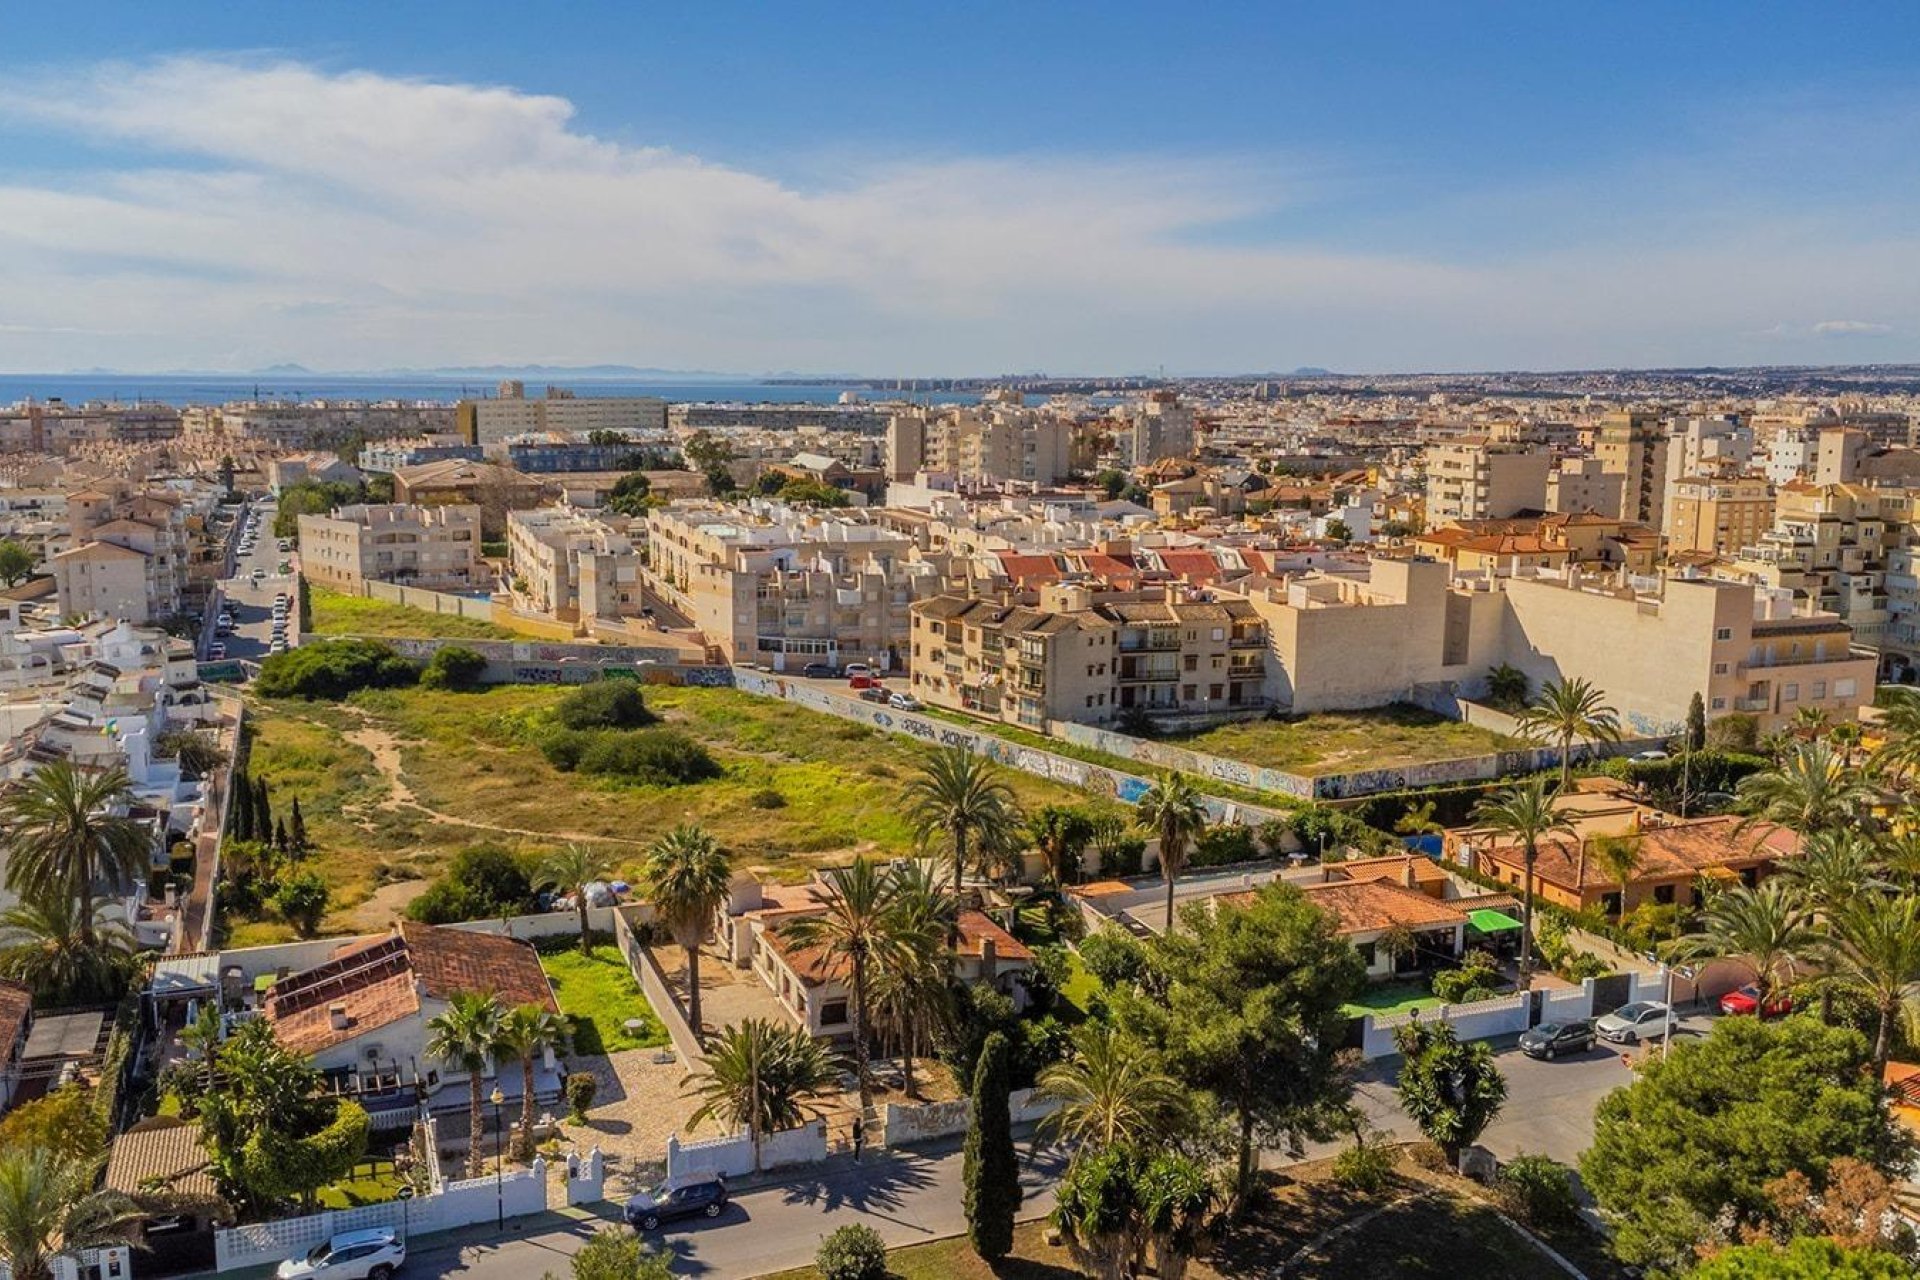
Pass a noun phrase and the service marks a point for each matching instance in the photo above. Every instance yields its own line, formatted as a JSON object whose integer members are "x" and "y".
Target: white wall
{"x": 733, "y": 1157}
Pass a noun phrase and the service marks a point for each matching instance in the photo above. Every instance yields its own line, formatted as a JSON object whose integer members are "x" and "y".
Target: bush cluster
{"x": 332, "y": 669}
{"x": 1475, "y": 979}
{"x": 1364, "y": 1167}
{"x": 607, "y": 704}
{"x": 453, "y": 667}
{"x": 481, "y": 883}
{"x": 1538, "y": 1191}
{"x": 651, "y": 757}
{"x": 1222, "y": 845}
{"x": 853, "y": 1252}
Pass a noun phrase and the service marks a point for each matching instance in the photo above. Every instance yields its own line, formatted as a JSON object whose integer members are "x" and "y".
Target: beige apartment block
{"x": 1077, "y": 657}
{"x": 1582, "y": 485}
{"x": 512, "y": 413}
{"x": 1718, "y": 516}
{"x": 116, "y": 532}
{"x": 991, "y": 444}
{"x": 104, "y": 580}
{"x": 571, "y": 564}
{"x": 1480, "y": 479}
{"x": 1830, "y": 545}
{"x": 1633, "y": 446}
{"x": 437, "y": 548}
{"x": 780, "y": 587}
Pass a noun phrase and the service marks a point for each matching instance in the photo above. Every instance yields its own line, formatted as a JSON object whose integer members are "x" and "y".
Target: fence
{"x": 733, "y": 1156}
{"x": 479, "y": 608}
{"x": 905, "y": 1123}
{"x": 455, "y": 1204}
{"x": 1503, "y": 1015}
{"x": 646, "y": 971}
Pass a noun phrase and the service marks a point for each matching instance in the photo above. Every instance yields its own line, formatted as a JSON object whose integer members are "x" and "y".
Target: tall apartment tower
{"x": 1633, "y": 446}
{"x": 1484, "y": 480}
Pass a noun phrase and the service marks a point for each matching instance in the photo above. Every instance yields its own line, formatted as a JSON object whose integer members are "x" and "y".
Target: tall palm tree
{"x": 49, "y": 1207}
{"x": 1873, "y": 947}
{"x": 858, "y": 928}
{"x": 1833, "y": 868}
{"x": 63, "y": 836}
{"x": 463, "y": 1035}
{"x": 761, "y": 1076}
{"x": 960, "y": 796}
{"x": 1061, "y": 833}
{"x": 1900, "y": 729}
{"x": 687, "y": 875}
{"x": 1173, "y": 811}
{"x": 1568, "y": 711}
{"x": 526, "y": 1032}
{"x": 67, "y": 952}
{"x": 1525, "y": 813}
{"x": 572, "y": 868}
{"x": 1810, "y": 790}
{"x": 1767, "y": 929}
{"x": 913, "y": 985}
{"x": 1112, "y": 1092}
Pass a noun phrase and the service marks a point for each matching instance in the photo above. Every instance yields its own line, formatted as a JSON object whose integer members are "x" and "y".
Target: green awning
{"x": 1488, "y": 921}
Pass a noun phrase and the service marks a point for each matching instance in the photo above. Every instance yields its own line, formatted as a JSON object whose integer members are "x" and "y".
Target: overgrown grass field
{"x": 1347, "y": 741}
{"x": 337, "y": 614}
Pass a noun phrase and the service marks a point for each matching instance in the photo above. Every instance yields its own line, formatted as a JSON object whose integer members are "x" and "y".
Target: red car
{"x": 864, "y": 682}
{"x": 1747, "y": 1000}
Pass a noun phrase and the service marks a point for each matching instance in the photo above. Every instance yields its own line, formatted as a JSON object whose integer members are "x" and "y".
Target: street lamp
{"x": 1666, "y": 1041}
{"x": 499, "y": 1190}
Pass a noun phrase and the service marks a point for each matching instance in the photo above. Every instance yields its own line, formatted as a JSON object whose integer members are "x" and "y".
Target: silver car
{"x": 352, "y": 1255}
{"x": 1632, "y": 1023}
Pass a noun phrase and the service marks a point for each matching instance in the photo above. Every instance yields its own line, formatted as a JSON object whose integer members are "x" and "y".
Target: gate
{"x": 1610, "y": 992}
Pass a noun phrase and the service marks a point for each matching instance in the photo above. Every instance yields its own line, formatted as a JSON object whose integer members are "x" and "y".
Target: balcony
{"x": 1753, "y": 704}
{"x": 1249, "y": 640}
{"x": 1131, "y": 673}
{"x": 1155, "y": 642}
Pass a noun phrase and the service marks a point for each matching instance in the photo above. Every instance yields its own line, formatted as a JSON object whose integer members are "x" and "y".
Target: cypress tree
{"x": 297, "y": 831}
{"x": 262, "y": 811}
{"x": 280, "y": 835}
{"x": 991, "y": 1174}
{"x": 240, "y": 807}
{"x": 1696, "y": 723}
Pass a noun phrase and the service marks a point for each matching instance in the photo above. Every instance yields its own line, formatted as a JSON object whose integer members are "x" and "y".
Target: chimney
{"x": 337, "y": 1015}
{"x": 989, "y": 959}
{"x": 1407, "y": 876}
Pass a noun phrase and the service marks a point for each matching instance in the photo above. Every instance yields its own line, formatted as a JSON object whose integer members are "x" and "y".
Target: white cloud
{"x": 1850, "y": 328}
{"x": 356, "y": 220}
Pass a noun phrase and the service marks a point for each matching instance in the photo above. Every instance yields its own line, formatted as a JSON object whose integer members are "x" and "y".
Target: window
{"x": 1790, "y": 692}
{"x": 1367, "y": 953}
{"x": 1663, "y": 894}
{"x": 1819, "y": 690}
{"x": 1188, "y": 692}
{"x": 833, "y": 1013}
{"x": 1719, "y": 704}
{"x": 1190, "y": 662}
{"x": 1724, "y": 633}
{"x": 1719, "y": 668}
{"x": 1845, "y": 688}
{"x": 1216, "y": 691}
{"x": 1219, "y": 633}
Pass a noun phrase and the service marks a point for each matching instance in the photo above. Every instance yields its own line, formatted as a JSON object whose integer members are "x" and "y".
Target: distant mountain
{"x": 623, "y": 371}
{"x": 278, "y": 370}
{"x": 1311, "y": 371}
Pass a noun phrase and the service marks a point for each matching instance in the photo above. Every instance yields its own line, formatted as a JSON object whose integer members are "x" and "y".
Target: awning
{"x": 1489, "y": 921}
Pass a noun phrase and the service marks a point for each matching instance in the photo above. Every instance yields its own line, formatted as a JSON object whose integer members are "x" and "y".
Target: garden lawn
{"x": 1393, "y": 997}
{"x": 470, "y": 771}
{"x": 1347, "y": 741}
{"x": 338, "y": 614}
{"x": 599, "y": 995}
{"x": 370, "y": 1185}
{"x": 1080, "y": 989}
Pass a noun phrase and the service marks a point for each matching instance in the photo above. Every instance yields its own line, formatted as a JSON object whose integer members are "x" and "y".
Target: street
{"x": 251, "y": 602}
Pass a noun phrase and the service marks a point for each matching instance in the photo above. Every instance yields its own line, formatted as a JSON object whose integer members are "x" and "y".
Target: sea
{"x": 185, "y": 389}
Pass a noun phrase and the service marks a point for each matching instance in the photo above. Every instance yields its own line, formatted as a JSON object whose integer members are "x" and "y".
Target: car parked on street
{"x": 373, "y": 1254}
{"x": 819, "y": 671}
{"x": 875, "y": 693}
{"x": 1632, "y": 1023}
{"x": 704, "y": 1195}
{"x": 863, "y": 681}
{"x": 904, "y": 702}
{"x": 1746, "y": 1000}
{"x": 1551, "y": 1039}
{"x": 859, "y": 669}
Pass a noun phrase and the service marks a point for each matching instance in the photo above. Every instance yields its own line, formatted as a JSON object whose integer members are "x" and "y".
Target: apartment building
{"x": 298, "y": 426}
{"x": 512, "y": 413}
{"x": 437, "y": 548}
{"x": 1633, "y": 445}
{"x": 494, "y": 489}
{"x": 782, "y": 587}
{"x": 1583, "y": 484}
{"x": 129, "y": 554}
{"x": 298, "y": 468}
{"x": 1480, "y": 479}
{"x": 1829, "y": 546}
{"x": 1078, "y": 656}
{"x": 1158, "y": 427}
{"x": 1715, "y": 516}
{"x": 997, "y": 442}
{"x": 571, "y": 564}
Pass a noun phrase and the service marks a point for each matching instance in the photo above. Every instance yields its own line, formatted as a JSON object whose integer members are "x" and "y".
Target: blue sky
{"x": 958, "y": 188}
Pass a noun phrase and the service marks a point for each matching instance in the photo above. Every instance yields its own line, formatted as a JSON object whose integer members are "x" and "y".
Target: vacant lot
{"x": 1346, "y": 741}
{"x": 391, "y": 783}
{"x": 335, "y": 614}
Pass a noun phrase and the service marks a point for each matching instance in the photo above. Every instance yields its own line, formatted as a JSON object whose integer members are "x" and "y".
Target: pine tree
{"x": 991, "y": 1174}
{"x": 240, "y": 807}
{"x": 297, "y": 832}
{"x": 262, "y": 811}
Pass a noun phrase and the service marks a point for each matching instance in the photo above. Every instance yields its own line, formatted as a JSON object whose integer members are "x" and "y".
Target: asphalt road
{"x": 252, "y": 602}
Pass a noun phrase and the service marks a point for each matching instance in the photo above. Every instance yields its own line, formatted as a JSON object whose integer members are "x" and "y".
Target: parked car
{"x": 1551, "y": 1039}
{"x": 1747, "y": 1001}
{"x": 702, "y": 1196}
{"x": 373, "y": 1254}
{"x": 859, "y": 669}
{"x": 874, "y": 693}
{"x": 819, "y": 671}
{"x": 279, "y": 645}
{"x": 904, "y": 702}
{"x": 1644, "y": 757}
{"x": 216, "y": 650}
{"x": 1632, "y": 1023}
{"x": 258, "y": 575}
{"x": 863, "y": 681}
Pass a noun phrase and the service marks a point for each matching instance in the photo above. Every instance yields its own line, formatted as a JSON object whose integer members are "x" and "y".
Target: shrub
{"x": 1113, "y": 957}
{"x": 1475, "y": 979}
{"x": 581, "y": 1088}
{"x": 853, "y": 1252}
{"x": 1227, "y": 843}
{"x": 1364, "y": 1167}
{"x": 301, "y": 901}
{"x": 767, "y": 798}
{"x": 1123, "y": 856}
{"x": 1582, "y": 965}
{"x": 481, "y": 883}
{"x": 607, "y": 704}
{"x": 657, "y": 757}
{"x": 332, "y": 669}
{"x": 1538, "y": 1191}
{"x": 453, "y": 667}
{"x": 564, "y": 747}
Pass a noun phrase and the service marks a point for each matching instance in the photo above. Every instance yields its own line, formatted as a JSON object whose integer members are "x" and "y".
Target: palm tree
{"x": 1810, "y": 722}
{"x": 1507, "y": 686}
{"x": 573, "y": 868}
{"x": 1173, "y": 810}
{"x": 859, "y": 925}
{"x": 1847, "y": 736}
{"x": 1567, "y": 711}
{"x": 66, "y": 952}
{"x": 63, "y": 836}
{"x": 1897, "y": 854}
{"x": 1766, "y": 929}
{"x": 1061, "y": 833}
{"x": 463, "y": 1035}
{"x": 1524, "y": 812}
{"x": 961, "y": 796}
{"x": 1619, "y": 856}
{"x": 760, "y": 1076}
{"x": 526, "y": 1032}
{"x": 913, "y": 988}
{"x": 1810, "y": 790}
{"x": 49, "y": 1207}
{"x": 1833, "y": 868}
{"x": 1112, "y": 1092}
{"x": 1900, "y": 728}
{"x": 1874, "y": 948}
{"x": 687, "y": 875}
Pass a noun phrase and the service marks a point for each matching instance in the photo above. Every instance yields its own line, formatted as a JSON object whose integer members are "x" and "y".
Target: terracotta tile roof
{"x": 163, "y": 1153}
{"x": 976, "y": 926}
{"x": 1029, "y": 568}
{"x": 814, "y": 967}
{"x": 1392, "y": 868}
{"x": 1670, "y": 849}
{"x": 1362, "y": 906}
{"x": 450, "y": 961}
{"x": 365, "y": 1007}
{"x": 16, "y": 1011}
{"x": 1194, "y": 566}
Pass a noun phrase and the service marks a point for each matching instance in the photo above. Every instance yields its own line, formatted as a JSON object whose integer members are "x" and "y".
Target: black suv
{"x": 701, "y": 1195}
{"x": 1551, "y": 1039}
{"x": 819, "y": 670}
